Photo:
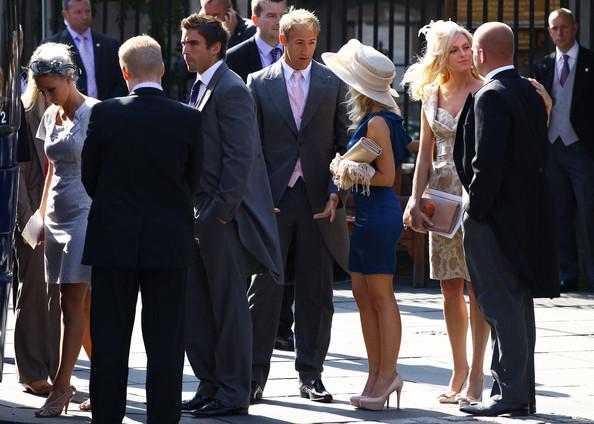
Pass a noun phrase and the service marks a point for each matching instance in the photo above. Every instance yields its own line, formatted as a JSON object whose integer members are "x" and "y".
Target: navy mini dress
{"x": 378, "y": 221}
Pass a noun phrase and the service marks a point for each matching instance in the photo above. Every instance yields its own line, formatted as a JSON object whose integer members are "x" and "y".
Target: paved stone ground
{"x": 564, "y": 375}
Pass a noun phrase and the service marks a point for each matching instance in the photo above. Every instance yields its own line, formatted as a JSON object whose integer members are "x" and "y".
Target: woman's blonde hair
{"x": 359, "y": 106}
{"x": 432, "y": 66}
{"x": 32, "y": 99}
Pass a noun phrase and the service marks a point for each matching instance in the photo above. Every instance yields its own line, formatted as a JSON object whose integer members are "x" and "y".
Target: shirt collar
{"x": 495, "y": 71}
{"x": 288, "y": 71}
{"x": 263, "y": 47}
{"x": 74, "y": 34}
{"x": 147, "y": 84}
{"x": 572, "y": 52}
{"x": 206, "y": 76}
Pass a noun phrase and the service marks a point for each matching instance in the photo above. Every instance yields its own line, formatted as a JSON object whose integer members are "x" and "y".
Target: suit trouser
{"x": 113, "y": 304}
{"x": 219, "y": 331}
{"x": 313, "y": 269}
{"x": 37, "y": 327}
{"x": 571, "y": 174}
{"x": 506, "y": 302}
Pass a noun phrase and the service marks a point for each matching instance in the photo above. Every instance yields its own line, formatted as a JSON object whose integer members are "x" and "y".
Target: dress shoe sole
{"x": 227, "y": 413}
{"x": 510, "y": 413}
{"x": 188, "y": 406}
{"x": 284, "y": 348}
{"x": 313, "y": 398}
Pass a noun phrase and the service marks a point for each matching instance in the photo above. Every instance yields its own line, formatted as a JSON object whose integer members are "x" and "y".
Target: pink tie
{"x": 296, "y": 98}
{"x": 297, "y": 105}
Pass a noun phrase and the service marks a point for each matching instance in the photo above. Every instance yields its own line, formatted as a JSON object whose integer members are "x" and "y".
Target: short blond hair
{"x": 141, "y": 56}
{"x": 298, "y": 17}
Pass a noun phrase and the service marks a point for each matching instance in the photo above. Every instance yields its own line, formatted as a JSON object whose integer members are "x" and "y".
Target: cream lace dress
{"x": 446, "y": 256}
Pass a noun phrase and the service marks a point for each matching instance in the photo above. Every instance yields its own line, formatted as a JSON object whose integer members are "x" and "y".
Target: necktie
{"x": 275, "y": 54}
{"x": 194, "y": 93}
{"x": 296, "y": 98}
{"x": 564, "y": 70}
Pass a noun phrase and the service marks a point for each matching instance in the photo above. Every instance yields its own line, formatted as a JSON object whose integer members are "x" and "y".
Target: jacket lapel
{"x": 211, "y": 85}
{"x": 317, "y": 89}
{"x": 255, "y": 63}
{"x": 549, "y": 72}
{"x": 582, "y": 72}
{"x": 279, "y": 96}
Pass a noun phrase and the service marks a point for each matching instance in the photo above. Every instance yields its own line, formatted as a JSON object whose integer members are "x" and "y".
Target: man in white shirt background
{"x": 568, "y": 75}
{"x": 264, "y": 48}
{"x": 96, "y": 53}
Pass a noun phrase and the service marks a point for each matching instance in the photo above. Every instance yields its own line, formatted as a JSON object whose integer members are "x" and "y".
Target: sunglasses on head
{"x": 41, "y": 67}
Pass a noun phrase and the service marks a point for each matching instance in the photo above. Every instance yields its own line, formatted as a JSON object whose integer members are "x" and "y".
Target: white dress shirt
{"x": 265, "y": 49}
{"x": 305, "y": 78}
{"x": 495, "y": 71}
{"x": 147, "y": 84}
{"x": 572, "y": 53}
{"x": 205, "y": 78}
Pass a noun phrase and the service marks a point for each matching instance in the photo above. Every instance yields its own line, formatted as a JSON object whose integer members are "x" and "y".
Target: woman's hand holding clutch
{"x": 416, "y": 218}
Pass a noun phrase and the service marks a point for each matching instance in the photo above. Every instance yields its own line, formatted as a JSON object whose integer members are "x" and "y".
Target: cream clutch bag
{"x": 363, "y": 151}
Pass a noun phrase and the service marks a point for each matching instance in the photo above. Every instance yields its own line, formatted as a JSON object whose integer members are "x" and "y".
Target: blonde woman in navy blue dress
{"x": 378, "y": 224}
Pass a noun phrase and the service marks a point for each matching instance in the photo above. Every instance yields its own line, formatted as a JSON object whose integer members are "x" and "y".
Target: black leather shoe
{"x": 285, "y": 343}
{"x": 256, "y": 393}
{"x": 569, "y": 285}
{"x": 217, "y": 408}
{"x": 493, "y": 409}
{"x": 314, "y": 390}
{"x": 197, "y": 402}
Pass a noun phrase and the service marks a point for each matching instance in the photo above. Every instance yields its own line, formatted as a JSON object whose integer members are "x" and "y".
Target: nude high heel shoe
{"x": 377, "y": 403}
{"x": 354, "y": 400}
{"x": 55, "y": 407}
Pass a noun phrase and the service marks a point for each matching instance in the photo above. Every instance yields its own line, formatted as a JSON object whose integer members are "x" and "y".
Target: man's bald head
{"x": 493, "y": 46}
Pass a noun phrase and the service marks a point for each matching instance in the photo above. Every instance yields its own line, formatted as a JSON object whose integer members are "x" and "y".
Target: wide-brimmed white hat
{"x": 365, "y": 69}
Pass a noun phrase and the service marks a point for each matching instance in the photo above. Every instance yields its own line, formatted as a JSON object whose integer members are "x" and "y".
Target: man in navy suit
{"x": 264, "y": 48}
{"x": 568, "y": 75}
{"x": 96, "y": 53}
{"x": 140, "y": 163}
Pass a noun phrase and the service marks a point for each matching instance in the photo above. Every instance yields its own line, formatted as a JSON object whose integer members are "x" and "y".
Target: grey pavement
{"x": 564, "y": 370}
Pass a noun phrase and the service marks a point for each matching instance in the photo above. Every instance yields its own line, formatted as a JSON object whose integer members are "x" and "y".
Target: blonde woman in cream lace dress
{"x": 443, "y": 79}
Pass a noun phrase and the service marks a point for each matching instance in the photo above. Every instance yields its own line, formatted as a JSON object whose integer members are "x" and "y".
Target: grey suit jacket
{"x": 233, "y": 184}
{"x": 321, "y": 136}
{"x": 31, "y": 176}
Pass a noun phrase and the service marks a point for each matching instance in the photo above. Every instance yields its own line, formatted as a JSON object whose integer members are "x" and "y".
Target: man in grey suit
{"x": 302, "y": 119}
{"x": 235, "y": 230}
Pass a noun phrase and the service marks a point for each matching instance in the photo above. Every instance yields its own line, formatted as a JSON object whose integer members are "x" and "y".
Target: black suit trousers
{"x": 219, "y": 331}
{"x": 113, "y": 304}
{"x": 314, "y": 309}
{"x": 505, "y": 300}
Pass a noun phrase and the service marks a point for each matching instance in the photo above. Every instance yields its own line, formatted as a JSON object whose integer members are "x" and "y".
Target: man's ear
{"x": 283, "y": 39}
{"x": 256, "y": 21}
{"x": 216, "y": 48}
{"x": 125, "y": 73}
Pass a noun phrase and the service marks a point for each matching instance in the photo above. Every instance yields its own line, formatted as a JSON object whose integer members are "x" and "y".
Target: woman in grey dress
{"x": 64, "y": 206}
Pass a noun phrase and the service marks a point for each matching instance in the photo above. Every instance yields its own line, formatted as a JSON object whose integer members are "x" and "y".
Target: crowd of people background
{"x": 226, "y": 205}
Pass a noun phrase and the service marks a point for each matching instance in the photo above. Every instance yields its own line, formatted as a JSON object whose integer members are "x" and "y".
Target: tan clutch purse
{"x": 363, "y": 151}
{"x": 441, "y": 209}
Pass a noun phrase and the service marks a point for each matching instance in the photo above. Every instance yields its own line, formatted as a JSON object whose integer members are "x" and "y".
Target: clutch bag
{"x": 363, "y": 151}
{"x": 443, "y": 209}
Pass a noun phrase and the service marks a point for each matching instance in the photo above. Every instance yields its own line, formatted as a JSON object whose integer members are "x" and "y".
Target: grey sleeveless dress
{"x": 68, "y": 203}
